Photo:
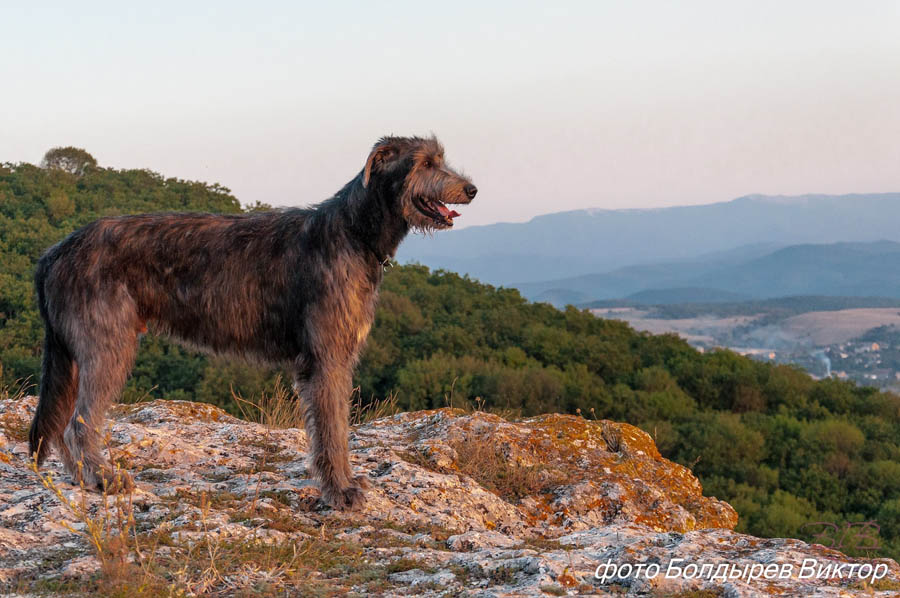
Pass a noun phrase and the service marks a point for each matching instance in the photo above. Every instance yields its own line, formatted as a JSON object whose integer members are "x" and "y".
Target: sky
{"x": 548, "y": 106}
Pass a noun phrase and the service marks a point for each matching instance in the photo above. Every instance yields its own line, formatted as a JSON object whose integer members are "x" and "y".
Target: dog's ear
{"x": 383, "y": 152}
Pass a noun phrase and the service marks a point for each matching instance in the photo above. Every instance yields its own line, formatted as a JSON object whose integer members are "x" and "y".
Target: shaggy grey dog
{"x": 294, "y": 287}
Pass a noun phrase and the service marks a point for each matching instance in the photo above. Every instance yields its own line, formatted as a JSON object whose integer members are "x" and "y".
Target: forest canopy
{"x": 785, "y": 450}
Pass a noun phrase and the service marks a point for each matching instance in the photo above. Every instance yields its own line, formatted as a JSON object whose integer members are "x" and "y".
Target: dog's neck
{"x": 375, "y": 222}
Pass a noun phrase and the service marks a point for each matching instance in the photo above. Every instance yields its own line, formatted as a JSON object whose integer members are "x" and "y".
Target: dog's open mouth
{"x": 437, "y": 211}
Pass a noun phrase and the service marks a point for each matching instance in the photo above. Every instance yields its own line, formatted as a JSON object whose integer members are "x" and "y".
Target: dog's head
{"x": 411, "y": 171}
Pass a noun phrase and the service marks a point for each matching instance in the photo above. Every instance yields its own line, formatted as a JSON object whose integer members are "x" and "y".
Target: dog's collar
{"x": 383, "y": 260}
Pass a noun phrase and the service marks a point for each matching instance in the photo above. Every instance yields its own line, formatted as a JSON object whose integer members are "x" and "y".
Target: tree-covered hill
{"x": 787, "y": 451}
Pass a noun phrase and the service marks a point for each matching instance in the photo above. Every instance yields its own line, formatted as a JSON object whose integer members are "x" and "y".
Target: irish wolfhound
{"x": 292, "y": 287}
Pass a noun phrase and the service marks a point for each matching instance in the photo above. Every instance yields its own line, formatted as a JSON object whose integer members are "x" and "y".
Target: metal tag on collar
{"x": 386, "y": 264}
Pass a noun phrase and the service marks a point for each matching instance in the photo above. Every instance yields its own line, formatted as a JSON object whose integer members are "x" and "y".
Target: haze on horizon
{"x": 547, "y": 107}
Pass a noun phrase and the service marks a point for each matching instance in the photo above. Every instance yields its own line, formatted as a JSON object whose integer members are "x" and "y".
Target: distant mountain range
{"x": 836, "y": 269}
{"x": 682, "y": 242}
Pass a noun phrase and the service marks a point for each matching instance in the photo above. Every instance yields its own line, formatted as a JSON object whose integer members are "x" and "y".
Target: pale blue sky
{"x": 549, "y": 106}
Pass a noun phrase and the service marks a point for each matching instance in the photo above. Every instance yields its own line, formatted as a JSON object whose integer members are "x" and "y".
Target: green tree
{"x": 69, "y": 159}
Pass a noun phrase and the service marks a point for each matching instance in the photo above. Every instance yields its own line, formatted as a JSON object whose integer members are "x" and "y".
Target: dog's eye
{"x": 427, "y": 164}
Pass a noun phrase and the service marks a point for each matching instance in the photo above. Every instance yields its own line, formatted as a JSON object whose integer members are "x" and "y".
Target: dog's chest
{"x": 352, "y": 304}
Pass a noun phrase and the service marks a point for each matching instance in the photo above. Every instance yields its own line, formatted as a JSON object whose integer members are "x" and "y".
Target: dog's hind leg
{"x": 106, "y": 349}
{"x": 58, "y": 391}
{"x": 59, "y": 379}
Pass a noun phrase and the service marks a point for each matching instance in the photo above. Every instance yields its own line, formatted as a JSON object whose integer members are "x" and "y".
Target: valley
{"x": 860, "y": 344}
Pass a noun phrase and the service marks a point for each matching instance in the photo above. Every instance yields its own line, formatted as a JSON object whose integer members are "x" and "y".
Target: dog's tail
{"x": 59, "y": 378}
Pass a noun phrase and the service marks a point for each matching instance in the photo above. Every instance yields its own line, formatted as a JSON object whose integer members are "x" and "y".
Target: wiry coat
{"x": 294, "y": 287}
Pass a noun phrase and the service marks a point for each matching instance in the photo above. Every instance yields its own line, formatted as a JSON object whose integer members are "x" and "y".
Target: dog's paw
{"x": 354, "y": 498}
{"x": 351, "y": 498}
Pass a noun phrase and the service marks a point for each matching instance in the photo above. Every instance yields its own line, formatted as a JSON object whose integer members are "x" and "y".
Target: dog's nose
{"x": 470, "y": 191}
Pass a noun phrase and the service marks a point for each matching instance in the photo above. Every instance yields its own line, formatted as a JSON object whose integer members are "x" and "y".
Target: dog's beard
{"x": 420, "y": 221}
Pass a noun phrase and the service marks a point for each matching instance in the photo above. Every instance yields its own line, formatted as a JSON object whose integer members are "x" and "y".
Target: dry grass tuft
{"x": 485, "y": 463}
{"x": 17, "y": 390}
{"x": 362, "y": 412}
{"x": 283, "y": 409}
{"x": 280, "y": 410}
{"x": 469, "y": 406}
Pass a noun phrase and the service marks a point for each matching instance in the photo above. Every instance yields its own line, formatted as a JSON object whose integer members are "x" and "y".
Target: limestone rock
{"x": 461, "y": 504}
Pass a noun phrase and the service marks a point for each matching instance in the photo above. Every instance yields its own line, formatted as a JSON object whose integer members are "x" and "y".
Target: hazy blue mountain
{"x": 562, "y": 297}
{"x": 575, "y": 243}
{"x": 624, "y": 282}
{"x": 838, "y": 269}
{"x": 835, "y": 270}
{"x": 684, "y": 295}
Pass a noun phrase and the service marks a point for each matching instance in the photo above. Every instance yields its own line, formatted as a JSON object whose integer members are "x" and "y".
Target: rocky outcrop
{"x": 460, "y": 504}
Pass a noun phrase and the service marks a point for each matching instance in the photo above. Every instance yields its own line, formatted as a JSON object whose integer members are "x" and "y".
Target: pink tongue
{"x": 447, "y": 212}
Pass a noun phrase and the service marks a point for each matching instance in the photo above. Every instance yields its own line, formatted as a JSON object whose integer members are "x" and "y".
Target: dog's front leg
{"x": 325, "y": 395}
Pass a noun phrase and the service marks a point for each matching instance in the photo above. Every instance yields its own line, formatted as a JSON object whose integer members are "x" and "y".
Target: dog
{"x": 295, "y": 288}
